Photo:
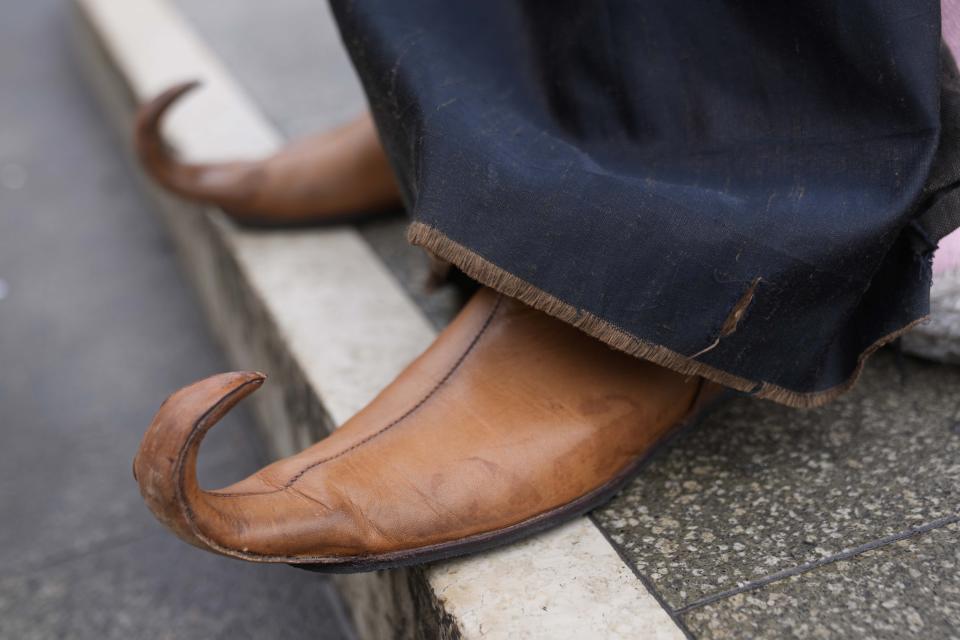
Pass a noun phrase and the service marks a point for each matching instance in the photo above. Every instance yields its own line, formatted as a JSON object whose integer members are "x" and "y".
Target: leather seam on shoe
{"x": 403, "y": 557}
{"x": 448, "y": 548}
{"x": 446, "y": 378}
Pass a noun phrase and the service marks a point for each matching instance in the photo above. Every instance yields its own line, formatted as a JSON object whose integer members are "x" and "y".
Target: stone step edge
{"x": 319, "y": 312}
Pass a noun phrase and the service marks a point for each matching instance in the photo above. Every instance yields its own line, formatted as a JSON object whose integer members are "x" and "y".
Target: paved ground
{"x": 762, "y": 522}
{"x": 96, "y": 326}
{"x": 770, "y": 522}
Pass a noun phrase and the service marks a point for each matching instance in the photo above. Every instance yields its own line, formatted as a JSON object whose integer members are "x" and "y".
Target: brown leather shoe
{"x": 331, "y": 177}
{"x": 509, "y": 423}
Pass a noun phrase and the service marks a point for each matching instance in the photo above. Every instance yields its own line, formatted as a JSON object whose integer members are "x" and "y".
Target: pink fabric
{"x": 947, "y": 257}
{"x": 950, "y": 25}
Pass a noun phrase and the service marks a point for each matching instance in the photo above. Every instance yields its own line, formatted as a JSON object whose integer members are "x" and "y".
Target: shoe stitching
{"x": 357, "y": 561}
{"x": 213, "y": 544}
{"x": 446, "y": 377}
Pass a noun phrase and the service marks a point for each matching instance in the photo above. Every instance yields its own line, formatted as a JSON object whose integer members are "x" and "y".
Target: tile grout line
{"x": 620, "y": 550}
{"x": 644, "y": 580}
{"x": 753, "y": 585}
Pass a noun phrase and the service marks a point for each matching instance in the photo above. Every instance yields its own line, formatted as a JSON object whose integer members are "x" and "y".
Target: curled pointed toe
{"x": 328, "y": 178}
{"x": 511, "y": 422}
{"x": 165, "y": 464}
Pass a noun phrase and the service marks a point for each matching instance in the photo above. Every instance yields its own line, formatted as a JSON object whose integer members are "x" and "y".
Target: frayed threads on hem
{"x": 490, "y": 275}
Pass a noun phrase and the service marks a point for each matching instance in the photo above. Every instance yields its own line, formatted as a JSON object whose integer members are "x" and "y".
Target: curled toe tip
{"x": 220, "y": 388}
{"x": 172, "y": 93}
{"x": 151, "y": 112}
{"x": 186, "y": 85}
{"x": 244, "y": 378}
{"x": 165, "y": 464}
{"x": 154, "y": 156}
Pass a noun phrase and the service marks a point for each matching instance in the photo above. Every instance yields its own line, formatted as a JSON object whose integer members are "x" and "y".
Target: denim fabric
{"x": 647, "y": 162}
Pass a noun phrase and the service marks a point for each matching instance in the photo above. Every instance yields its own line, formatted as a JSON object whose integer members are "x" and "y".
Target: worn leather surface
{"x": 509, "y": 414}
{"x": 326, "y": 177}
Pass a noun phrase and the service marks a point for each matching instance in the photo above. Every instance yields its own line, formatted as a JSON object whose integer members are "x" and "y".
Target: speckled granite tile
{"x": 909, "y": 589}
{"x": 758, "y": 488}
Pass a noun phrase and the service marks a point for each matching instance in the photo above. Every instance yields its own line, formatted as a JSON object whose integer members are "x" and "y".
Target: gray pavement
{"x": 96, "y": 327}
